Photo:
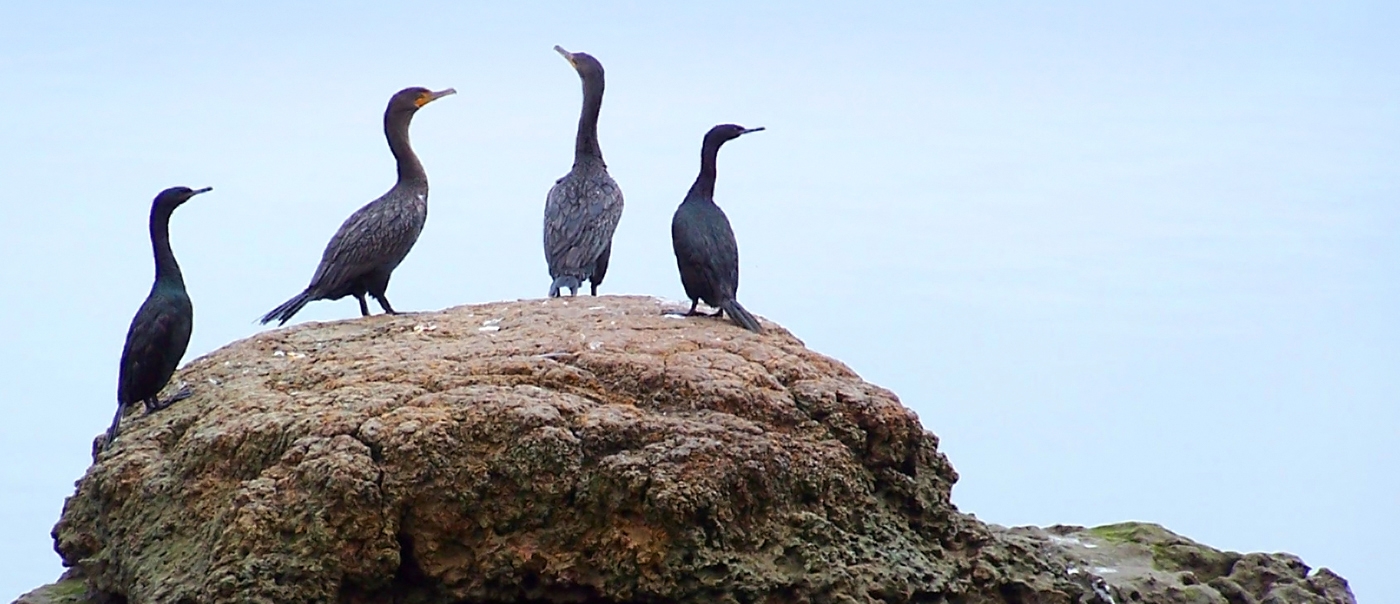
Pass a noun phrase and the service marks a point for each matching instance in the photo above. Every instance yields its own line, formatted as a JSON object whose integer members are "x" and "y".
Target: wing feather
{"x": 376, "y": 236}
{"x": 581, "y": 214}
{"x": 706, "y": 251}
{"x": 155, "y": 343}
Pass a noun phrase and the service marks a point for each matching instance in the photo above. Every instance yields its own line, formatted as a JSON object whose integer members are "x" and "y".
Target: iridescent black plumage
{"x": 583, "y": 208}
{"x": 160, "y": 331}
{"x": 372, "y": 242}
{"x": 706, "y": 253}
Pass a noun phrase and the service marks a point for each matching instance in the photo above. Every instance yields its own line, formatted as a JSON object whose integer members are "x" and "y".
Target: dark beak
{"x": 198, "y": 191}
{"x": 748, "y": 130}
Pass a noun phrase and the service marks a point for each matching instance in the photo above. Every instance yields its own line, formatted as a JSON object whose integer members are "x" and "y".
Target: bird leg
{"x": 690, "y": 313}
{"x": 384, "y": 304}
{"x": 154, "y": 404}
{"x": 364, "y": 308}
{"x": 696, "y": 313}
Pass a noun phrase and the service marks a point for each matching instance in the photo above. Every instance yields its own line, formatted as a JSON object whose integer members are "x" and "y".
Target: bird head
{"x": 410, "y": 99}
{"x": 725, "y": 132}
{"x": 174, "y": 196}
{"x": 583, "y": 62}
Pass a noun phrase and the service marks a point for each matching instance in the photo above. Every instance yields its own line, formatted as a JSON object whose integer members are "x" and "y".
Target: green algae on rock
{"x": 1144, "y": 562}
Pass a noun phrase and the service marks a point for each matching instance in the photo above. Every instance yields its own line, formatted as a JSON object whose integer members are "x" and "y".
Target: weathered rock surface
{"x": 1141, "y": 562}
{"x": 581, "y": 450}
{"x": 69, "y": 589}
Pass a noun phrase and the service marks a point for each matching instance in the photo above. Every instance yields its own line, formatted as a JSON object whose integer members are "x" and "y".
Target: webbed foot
{"x": 153, "y": 404}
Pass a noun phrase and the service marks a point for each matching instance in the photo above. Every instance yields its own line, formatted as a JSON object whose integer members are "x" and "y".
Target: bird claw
{"x": 184, "y": 393}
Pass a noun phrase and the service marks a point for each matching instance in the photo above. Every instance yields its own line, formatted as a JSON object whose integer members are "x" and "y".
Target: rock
{"x": 1142, "y": 562}
{"x": 69, "y": 589}
{"x": 570, "y": 450}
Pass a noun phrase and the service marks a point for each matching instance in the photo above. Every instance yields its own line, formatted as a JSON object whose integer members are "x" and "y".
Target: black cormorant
{"x": 583, "y": 207}
{"x": 375, "y": 239}
{"x": 705, "y": 249}
{"x": 160, "y": 331}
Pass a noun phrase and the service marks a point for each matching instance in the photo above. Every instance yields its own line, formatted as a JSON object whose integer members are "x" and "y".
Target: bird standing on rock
{"x": 376, "y": 238}
{"x": 706, "y": 253}
{"x": 583, "y": 208}
{"x": 160, "y": 331}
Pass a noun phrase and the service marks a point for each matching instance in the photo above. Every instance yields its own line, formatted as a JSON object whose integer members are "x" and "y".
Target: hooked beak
{"x": 441, "y": 93}
{"x": 424, "y": 99}
{"x": 568, "y": 56}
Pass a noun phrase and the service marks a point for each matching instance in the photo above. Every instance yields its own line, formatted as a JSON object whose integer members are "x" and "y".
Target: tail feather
{"x": 565, "y": 281}
{"x": 115, "y": 429}
{"x": 283, "y": 313}
{"x": 741, "y": 316}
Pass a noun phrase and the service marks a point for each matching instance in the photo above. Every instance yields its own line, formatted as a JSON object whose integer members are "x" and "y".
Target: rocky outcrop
{"x": 1141, "y": 562}
{"x": 69, "y": 589}
{"x": 577, "y": 450}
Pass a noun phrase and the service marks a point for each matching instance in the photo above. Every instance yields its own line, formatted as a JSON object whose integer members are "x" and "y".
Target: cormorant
{"x": 375, "y": 239}
{"x": 583, "y": 207}
{"x": 705, "y": 249}
{"x": 160, "y": 331}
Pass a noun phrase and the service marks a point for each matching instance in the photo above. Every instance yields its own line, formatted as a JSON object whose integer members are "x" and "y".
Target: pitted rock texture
{"x": 1139, "y": 562}
{"x": 69, "y": 589}
{"x": 570, "y": 450}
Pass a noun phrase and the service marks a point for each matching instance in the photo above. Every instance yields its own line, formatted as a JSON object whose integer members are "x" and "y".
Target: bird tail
{"x": 564, "y": 281}
{"x": 116, "y": 427}
{"x": 283, "y": 313}
{"x": 741, "y": 316}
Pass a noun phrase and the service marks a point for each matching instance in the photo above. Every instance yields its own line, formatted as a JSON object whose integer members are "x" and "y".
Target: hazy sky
{"x": 1128, "y": 260}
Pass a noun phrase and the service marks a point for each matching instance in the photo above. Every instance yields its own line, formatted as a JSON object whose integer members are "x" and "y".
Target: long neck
{"x": 167, "y": 270}
{"x": 704, "y": 187}
{"x": 586, "y": 145}
{"x": 396, "y": 130}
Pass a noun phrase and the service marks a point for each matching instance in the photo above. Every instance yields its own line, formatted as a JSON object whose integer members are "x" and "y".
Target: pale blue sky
{"x": 1128, "y": 260}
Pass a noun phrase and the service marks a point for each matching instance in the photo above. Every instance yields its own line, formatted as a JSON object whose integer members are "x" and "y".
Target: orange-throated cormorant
{"x": 375, "y": 239}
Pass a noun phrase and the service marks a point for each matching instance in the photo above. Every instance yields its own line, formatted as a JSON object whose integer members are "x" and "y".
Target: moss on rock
{"x": 1170, "y": 551}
